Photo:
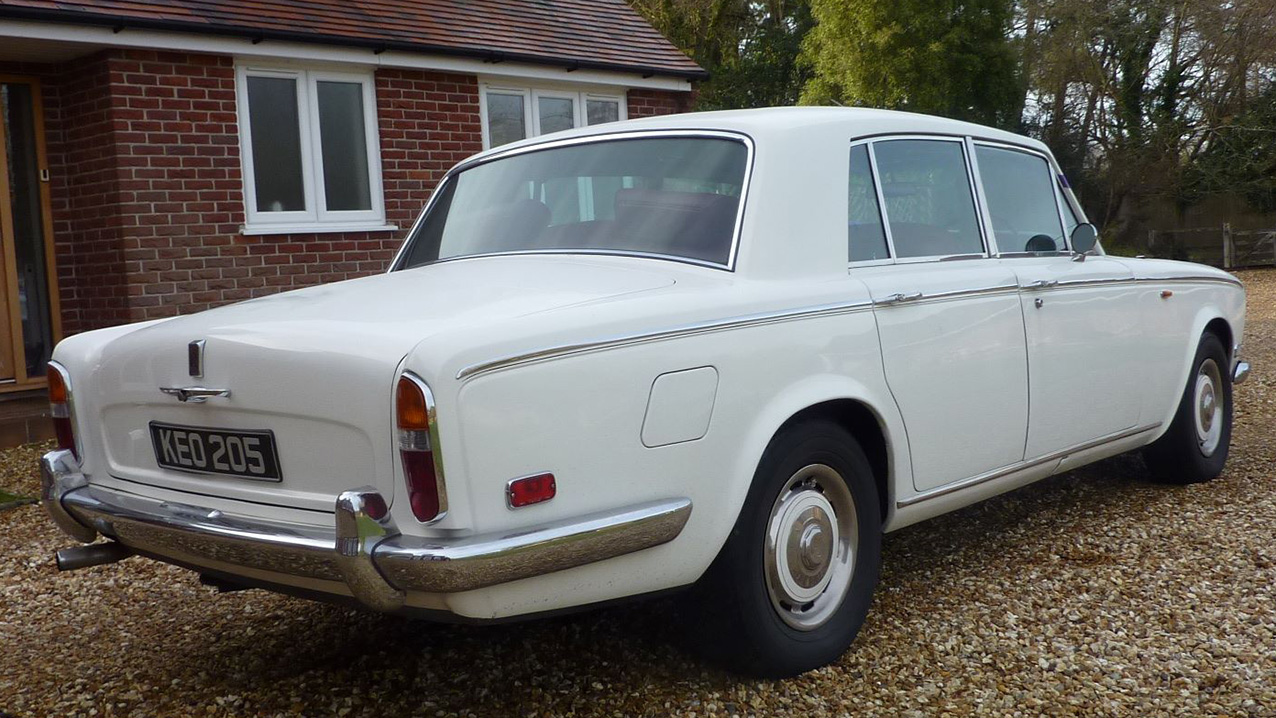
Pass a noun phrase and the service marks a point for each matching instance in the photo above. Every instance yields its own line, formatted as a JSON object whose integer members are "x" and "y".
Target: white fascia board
{"x": 245, "y": 50}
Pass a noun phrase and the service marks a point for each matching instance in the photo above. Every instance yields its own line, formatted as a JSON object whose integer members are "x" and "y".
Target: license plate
{"x": 245, "y": 454}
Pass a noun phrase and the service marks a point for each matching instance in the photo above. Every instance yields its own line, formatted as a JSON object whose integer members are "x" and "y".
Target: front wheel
{"x": 1194, "y": 448}
{"x": 790, "y": 590}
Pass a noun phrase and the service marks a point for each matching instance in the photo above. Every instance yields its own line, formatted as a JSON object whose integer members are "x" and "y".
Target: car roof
{"x": 769, "y": 121}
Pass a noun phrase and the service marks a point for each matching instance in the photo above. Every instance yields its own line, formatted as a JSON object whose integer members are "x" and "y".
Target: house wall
{"x": 148, "y": 190}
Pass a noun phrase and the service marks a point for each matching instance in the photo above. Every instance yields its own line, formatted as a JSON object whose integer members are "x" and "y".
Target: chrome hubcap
{"x": 1209, "y": 409}
{"x": 811, "y": 541}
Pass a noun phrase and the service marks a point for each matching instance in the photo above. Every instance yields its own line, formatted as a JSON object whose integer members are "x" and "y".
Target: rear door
{"x": 1085, "y": 342}
{"x": 949, "y": 318}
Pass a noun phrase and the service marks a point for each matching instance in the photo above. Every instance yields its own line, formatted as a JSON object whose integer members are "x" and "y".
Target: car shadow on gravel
{"x": 635, "y": 647}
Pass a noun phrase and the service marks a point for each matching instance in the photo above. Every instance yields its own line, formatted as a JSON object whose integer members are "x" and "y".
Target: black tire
{"x": 1183, "y": 455}
{"x": 736, "y": 617}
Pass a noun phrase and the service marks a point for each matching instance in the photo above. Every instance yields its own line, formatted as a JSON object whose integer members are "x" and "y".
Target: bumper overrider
{"x": 364, "y": 549}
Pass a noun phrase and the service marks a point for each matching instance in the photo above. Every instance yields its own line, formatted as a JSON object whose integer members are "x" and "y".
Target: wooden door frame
{"x": 44, "y": 180}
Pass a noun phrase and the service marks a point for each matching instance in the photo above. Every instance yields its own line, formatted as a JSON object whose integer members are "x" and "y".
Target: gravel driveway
{"x": 1093, "y": 593}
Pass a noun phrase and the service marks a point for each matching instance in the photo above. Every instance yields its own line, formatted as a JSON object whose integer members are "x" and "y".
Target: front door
{"x": 1085, "y": 343}
{"x": 29, "y": 324}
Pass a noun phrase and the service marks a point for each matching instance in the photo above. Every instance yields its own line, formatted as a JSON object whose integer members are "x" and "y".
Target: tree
{"x": 954, "y": 58}
{"x": 749, "y": 48}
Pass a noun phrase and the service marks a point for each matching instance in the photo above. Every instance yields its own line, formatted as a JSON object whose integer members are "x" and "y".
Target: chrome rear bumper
{"x": 1240, "y": 372}
{"x": 366, "y": 553}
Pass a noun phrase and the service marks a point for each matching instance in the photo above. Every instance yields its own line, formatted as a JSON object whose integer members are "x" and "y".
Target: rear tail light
{"x": 60, "y": 408}
{"x": 418, "y": 449}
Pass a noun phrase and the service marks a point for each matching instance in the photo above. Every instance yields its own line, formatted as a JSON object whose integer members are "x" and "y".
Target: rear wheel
{"x": 790, "y": 590}
{"x": 1194, "y": 448}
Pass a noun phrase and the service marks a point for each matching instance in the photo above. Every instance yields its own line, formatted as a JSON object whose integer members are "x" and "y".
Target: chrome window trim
{"x": 1024, "y": 465}
{"x": 733, "y": 255}
{"x": 1052, "y": 170}
{"x": 686, "y": 330}
{"x": 984, "y": 238}
{"x": 436, "y": 448}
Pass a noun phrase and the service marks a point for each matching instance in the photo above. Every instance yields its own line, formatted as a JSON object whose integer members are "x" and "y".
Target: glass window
{"x": 866, "y": 235}
{"x": 929, "y": 204}
{"x": 601, "y": 111}
{"x": 556, "y": 114}
{"x": 674, "y": 196}
{"x": 505, "y": 120}
{"x": 276, "y": 144}
{"x": 309, "y": 143}
{"x": 516, "y": 113}
{"x": 1019, "y": 188}
{"x": 344, "y": 142}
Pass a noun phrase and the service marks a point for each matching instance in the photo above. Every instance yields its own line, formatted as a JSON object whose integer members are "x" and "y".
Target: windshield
{"x": 669, "y": 196}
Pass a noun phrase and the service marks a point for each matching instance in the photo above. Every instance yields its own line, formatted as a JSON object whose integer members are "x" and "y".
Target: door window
{"x": 866, "y": 236}
{"x": 930, "y": 208}
{"x": 1019, "y": 189}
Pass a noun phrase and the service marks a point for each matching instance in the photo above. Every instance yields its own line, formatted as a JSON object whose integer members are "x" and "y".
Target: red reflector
{"x": 531, "y": 490}
{"x": 374, "y": 506}
{"x": 423, "y": 489}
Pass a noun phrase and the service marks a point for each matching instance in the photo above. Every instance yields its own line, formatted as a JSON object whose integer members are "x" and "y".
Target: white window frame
{"x": 316, "y": 217}
{"x": 531, "y": 96}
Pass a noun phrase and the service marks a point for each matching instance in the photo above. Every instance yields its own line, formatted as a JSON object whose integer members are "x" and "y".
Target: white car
{"x": 724, "y": 351}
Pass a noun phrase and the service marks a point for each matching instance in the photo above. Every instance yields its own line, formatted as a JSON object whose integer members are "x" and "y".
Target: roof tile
{"x": 588, "y": 33}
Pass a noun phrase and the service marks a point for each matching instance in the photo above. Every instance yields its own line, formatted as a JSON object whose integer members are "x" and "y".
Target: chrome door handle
{"x": 1041, "y": 284}
{"x": 194, "y": 394}
{"x": 899, "y": 298}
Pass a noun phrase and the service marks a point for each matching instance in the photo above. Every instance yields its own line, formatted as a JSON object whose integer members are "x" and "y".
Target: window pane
{"x": 865, "y": 232}
{"x": 1069, "y": 216}
{"x": 928, "y": 200}
{"x": 344, "y": 140}
{"x": 556, "y": 113}
{"x": 505, "y": 119}
{"x": 276, "y": 144}
{"x": 674, "y": 197}
{"x": 601, "y": 111}
{"x": 1021, "y": 202}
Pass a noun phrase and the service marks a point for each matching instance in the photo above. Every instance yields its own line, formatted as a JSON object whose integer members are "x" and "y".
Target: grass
{"x": 7, "y": 498}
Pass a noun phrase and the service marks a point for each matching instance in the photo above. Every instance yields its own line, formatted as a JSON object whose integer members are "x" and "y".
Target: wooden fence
{"x": 1219, "y": 246}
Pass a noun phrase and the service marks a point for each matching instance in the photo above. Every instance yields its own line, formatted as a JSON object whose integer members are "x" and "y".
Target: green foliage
{"x": 749, "y": 48}
{"x": 944, "y": 57}
{"x": 1240, "y": 157}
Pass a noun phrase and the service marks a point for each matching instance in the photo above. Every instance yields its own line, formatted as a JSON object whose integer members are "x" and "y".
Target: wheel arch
{"x": 870, "y": 415}
{"x": 868, "y": 428}
{"x": 1208, "y": 320}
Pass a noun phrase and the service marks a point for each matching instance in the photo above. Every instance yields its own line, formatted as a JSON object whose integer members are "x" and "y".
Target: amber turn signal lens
{"x": 410, "y": 408}
{"x": 57, "y": 387}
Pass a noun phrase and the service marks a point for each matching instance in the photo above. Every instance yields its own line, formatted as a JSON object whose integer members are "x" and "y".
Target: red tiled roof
{"x": 601, "y": 34}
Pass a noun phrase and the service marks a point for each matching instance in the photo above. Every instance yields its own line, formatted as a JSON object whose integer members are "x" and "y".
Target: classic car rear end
{"x": 584, "y": 337}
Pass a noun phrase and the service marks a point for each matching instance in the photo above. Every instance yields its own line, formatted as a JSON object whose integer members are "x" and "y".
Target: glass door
{"x": 29, "y": 324}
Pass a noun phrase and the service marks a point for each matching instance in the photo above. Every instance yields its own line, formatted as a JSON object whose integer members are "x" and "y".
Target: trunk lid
{"x": 316, "y": 369}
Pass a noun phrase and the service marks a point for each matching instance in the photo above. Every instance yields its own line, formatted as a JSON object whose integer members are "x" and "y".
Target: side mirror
{"x": 1084, "y": 238}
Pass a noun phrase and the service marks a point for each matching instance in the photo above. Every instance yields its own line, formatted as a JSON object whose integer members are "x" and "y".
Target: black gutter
{"x": 256, "y": 35}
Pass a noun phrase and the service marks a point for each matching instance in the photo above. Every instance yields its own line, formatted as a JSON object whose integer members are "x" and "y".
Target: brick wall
{"x": 148, "y": 193}
{"x": 648, "y": 103}
{"x": 183, "y": 199}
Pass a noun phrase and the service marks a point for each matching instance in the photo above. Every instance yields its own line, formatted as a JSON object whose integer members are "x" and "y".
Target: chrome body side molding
{"x": 685, "y": 330}
{"x": 363, "y": 550}
{"x": 1022, "y": 465}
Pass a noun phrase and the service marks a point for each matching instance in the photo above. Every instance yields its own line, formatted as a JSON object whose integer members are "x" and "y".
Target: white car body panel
{"x": 597, "y": 368}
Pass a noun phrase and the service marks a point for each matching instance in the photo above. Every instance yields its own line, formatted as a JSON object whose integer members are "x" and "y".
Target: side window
{"x": 1019, "y": 188}
{"x": 1069, "y": 215}
{"x": 865, "y": 234}
{"x": 929, "y": 205}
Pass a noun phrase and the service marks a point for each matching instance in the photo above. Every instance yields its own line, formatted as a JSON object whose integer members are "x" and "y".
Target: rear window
{"x": 674, "y": 197}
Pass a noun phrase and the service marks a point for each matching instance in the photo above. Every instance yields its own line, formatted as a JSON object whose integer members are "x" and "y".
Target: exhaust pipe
{"x": 96, "y": 554}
